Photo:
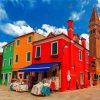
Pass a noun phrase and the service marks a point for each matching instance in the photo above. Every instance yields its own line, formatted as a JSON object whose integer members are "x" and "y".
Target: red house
{"x": 67, "y": 55}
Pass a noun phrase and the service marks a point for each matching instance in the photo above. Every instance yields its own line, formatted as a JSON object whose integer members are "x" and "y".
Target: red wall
{"x": 69, "y": 57}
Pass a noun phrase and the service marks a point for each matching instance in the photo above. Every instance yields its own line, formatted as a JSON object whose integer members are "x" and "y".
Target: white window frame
{"x": 4, "y": 62}
{"x": 10, "y": 47}
{"x": 26, "y": 56}
{"x": 80, "y": 52}
{"x": 36, "y": 52}
{"x": 57, "y": 47}
{"x": 28, "y": 39}
{"x": 16, "y": 42}
{"x": 15, "y": 58}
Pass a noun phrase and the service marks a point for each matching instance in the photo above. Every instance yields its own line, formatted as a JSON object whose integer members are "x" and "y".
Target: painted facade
{"x": 23, "y": 52}
{"x": 7, "y": 63}
{"x": 0, "y": 67}
{"x": 72, "y": 54}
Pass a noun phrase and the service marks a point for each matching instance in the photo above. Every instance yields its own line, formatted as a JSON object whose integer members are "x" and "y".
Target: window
{"x": 87, "y": 57}
{"x": 17, "y": 42}
{"x": 4, "y": 63}
{"x": 54, "y": 48}
{"x": 38, "y": 51}
{"x": 10, "y": 61}
{"x": 10, "y": 48}
{"x": 29, "y": 39}
{"x": 28, "y": 55}
{"x": 80, "y": 55}
{"x": 16, "y": 58}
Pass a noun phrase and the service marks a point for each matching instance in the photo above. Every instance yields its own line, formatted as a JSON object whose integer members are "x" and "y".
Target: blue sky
{"x": 18, "y": 17}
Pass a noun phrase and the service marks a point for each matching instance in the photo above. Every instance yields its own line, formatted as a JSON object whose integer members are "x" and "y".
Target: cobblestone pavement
{"x": 91, "y": 93}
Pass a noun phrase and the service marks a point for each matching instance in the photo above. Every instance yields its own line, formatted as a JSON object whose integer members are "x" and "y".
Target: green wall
{"x": 7, "y": 55}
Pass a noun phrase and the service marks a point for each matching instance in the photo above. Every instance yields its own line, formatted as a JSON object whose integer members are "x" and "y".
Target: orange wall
{"x": 22, "y": 49}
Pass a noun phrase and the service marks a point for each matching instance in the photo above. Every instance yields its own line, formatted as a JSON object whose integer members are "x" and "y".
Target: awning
{"x": 44, "y": 67}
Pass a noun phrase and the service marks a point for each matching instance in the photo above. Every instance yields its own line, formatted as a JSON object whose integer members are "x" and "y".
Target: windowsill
{"x": 54, "y": 55}
{"x": 37, "y": 58}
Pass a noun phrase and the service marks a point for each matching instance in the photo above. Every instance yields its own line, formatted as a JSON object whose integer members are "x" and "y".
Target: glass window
{"x": 28, "y": 55}
{"x": 54, "y": 48}
{"x": 80, "y": 55}
{"x": 17, "y": 42}
{"x": 16, "y": 58}
{"x": 10, "y": 61}
{"x": 29, "y": 39}
{"x": 37, "y": 51}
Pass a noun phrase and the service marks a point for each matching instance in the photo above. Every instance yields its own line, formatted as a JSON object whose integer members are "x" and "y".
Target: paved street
{"x": 92, "y": 93}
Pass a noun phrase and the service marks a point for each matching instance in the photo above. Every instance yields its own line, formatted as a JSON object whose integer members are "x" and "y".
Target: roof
{"x": 94, "y": 16}
{"x": 28, "y": 34}
{"x": 59, "y": 35}
{"x": 8, "y": 44}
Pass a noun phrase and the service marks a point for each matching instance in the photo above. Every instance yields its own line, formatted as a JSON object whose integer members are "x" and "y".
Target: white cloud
{"x": 3, "y": 13}
{"x": 46, "y": 29}
{"x": 1, "y": 45}
{"x": 46, "y": 1}
{"x": 86, "y": 36}
{"x": 76, "y": 15}
{"x": 98, "y": 3}
{"x": 16, "y": 28}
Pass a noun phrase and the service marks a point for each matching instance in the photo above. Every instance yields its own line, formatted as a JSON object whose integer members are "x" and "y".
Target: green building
{"x": 7, "y": 63}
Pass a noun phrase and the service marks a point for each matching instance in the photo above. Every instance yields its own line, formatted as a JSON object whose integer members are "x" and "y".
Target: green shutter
{"x": 38, "y": 52}
{"x": 54, "y": 48}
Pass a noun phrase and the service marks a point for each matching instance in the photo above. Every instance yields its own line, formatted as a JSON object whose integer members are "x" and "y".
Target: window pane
{"x": 30, "y": 39}
{"x": 16, "y": 60}
{"x": 38, "y": 52}
{"x": 54, "y": 48}
{"x": 18, "y": 41}
{"x": 28, "y": 56}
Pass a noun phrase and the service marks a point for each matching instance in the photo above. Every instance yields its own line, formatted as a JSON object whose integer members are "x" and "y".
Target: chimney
{"x": 83, "y": 42}
{"x": 70, "y": 29}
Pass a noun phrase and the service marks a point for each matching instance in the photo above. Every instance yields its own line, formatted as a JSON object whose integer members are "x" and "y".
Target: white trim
{"x": 28, "y": 39}
{"x": 36, "y": 51}
{"x": 16, "y": 42}
{"x": 26, "y": 56}
{"x": 4, "y": 62}
{"x": 11, "y": 61}
{"x": 57, "y": 47}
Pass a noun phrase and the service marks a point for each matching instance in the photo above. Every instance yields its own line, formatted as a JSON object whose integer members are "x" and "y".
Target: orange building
{"x": 23, "y": 52}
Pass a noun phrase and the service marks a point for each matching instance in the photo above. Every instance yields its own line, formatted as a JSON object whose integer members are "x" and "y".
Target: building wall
{"x": 7, "y": 54}
{"x": 7, "y": 67}
{"x": 22, "y": 50}
{"x": 0, "y": 61}
{"x": 68, "y": 55}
